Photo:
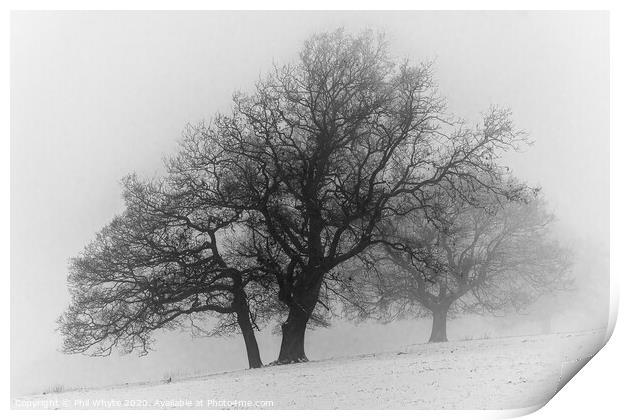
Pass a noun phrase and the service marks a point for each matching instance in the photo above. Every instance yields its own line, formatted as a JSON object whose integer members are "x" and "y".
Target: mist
{"x": 96, "y": 96}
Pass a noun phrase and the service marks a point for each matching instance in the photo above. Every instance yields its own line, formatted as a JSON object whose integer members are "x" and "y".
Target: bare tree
{"x": 161, "y": 264}
{"x": 494, "y": 256}
{"x": 323, "y": 151}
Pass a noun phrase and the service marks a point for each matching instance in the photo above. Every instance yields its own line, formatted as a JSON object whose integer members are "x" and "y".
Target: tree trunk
{"x": 301, "y": 304}
{"x": 438, "y": 333}
{"x": 247, "y": 329}
{"x": 293, "y": 334}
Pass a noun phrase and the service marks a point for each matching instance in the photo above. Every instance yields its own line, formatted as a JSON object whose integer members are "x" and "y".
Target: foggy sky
{"x": 95, "y": 96}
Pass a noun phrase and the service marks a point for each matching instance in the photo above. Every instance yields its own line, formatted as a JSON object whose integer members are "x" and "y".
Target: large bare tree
{"x": 323, "y": 151}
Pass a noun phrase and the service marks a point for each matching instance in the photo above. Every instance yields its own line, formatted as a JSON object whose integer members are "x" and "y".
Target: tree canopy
{"x": 494, "y": 256}
{"x": 302, "y": 175}
{"x": 158, "y": 265}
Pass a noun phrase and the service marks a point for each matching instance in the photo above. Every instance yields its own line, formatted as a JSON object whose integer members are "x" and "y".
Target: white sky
{"x": 95, "y": 96}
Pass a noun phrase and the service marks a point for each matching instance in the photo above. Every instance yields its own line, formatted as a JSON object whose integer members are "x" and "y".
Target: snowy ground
{"x": 504, "y": 373}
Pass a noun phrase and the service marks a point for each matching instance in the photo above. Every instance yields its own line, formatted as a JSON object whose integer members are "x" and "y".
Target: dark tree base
{"x": 293, "y": 334}
{"x": 288, "y": 362}
{"x": 257, "y": 366}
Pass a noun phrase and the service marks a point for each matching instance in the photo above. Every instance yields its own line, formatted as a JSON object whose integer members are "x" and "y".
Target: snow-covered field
{"x": 502, "y": 373}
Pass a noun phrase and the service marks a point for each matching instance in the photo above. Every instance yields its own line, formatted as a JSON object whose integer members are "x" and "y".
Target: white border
{"x": 592, "y": 393}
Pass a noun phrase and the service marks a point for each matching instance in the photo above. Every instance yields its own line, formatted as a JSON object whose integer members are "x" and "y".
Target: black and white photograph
{"x": 306, "y": 209}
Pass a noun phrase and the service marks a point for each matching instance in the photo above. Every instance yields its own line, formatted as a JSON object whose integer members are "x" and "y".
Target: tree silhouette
{"x": 326, "y": 149}
{"x": 494, "y": 256}
{"x": 160, "y": 264}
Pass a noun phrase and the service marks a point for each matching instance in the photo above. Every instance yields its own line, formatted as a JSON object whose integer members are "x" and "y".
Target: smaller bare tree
{"x": 492, "y": 256}
{"x": 161, "y": 264}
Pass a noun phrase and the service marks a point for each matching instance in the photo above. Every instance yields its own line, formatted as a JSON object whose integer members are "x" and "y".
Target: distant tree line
{"x": 339, "y": 182}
